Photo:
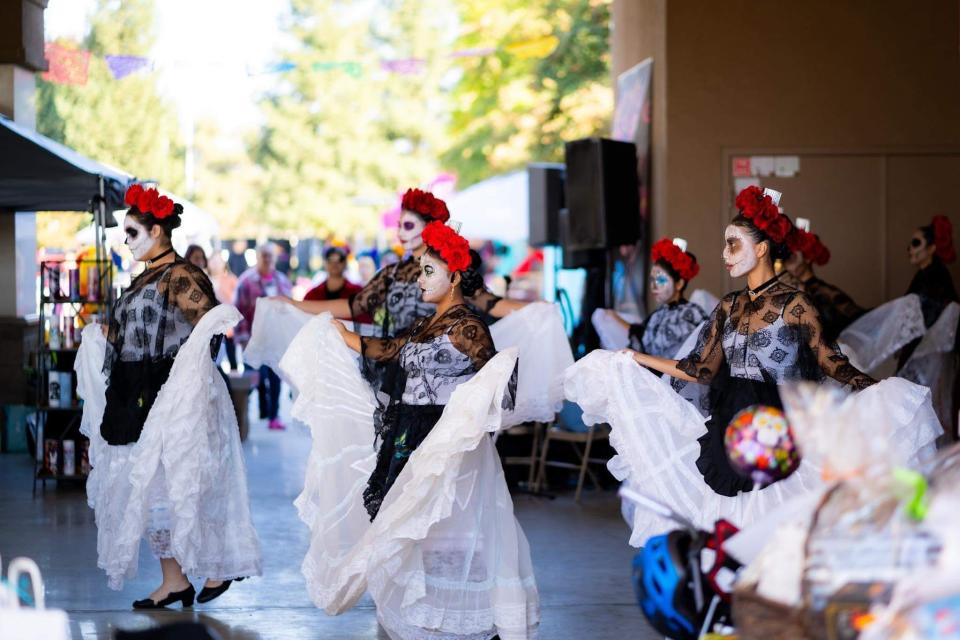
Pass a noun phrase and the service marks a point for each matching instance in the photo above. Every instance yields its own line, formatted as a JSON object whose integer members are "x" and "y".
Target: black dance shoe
{"x": 186, "y": 597}
{"x": 211, "y": 593}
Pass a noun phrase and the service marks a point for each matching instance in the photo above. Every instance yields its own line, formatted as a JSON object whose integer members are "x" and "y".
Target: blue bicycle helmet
{"x": 660, "y": 577}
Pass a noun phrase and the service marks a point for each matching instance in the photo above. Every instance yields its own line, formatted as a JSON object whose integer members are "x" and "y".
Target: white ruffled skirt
{"x": 187, "y": 464}
{"x": 654, "y": 431}
{"x": 536, "y": 330}
{"x": 445, "y": 556}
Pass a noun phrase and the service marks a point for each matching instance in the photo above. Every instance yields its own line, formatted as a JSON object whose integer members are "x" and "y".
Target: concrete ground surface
{"x": 580, "y": 554}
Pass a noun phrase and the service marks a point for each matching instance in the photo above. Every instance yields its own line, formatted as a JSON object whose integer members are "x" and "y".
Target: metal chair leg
{"x": 542, "y": 472}
{"x": 534, "y": 449}
{"x": 584, "y": 463}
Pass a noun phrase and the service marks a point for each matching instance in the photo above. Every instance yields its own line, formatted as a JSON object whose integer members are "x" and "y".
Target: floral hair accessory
{"x": 452, "y": 247}
{"x": 149, "y": 202}
{"x": 761, "y": 210}
{"x": 426, "y": 204}
{"x": 810, "y": 245}
{"x": 943, "y": 238}
{"x": 683, "y": 263}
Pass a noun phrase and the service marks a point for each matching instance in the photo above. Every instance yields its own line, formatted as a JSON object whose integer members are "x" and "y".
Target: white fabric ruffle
{"x": 655, "y": 431}
{"x": 933, "y": 363}
{"x": 878, "y": 334}
{"x": 191, "y": 440}
{"x": 445, "y": 556}
{"x": 537, "y": 332}
{"x": 613, "y": 335}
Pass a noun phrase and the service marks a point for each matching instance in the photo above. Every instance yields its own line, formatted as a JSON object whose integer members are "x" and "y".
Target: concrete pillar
{"x": 21, "y": 56}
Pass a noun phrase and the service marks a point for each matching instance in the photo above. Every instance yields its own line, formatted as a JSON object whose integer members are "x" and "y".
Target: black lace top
{"x": 666, "y": 329}
{"x": 437, "y": 357}
{"x": 777, "y": 337}
{"x": 837, "y": 309}
{"x": 157, "y": 313}
{"x": 393, "y": 298}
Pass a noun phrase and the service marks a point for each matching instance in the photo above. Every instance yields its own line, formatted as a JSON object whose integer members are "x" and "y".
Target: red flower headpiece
{"x": 810, "y": 245}
{"x": 760, "y": 210}
{"x": 149, "y": 202}
{"x": 452, "y": 247}
{"x": 679, "y": 260}
{"x": 426, "y": 204}
{"x": 943, "y": 238}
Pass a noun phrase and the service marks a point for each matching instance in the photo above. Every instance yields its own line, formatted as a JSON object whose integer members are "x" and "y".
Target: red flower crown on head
{"x": 763, "y": 212}
{"x": 426, "y": 204}
{"x": 809, "y": 245}
{"x": 452, "y": 247}
{"x": 149, "y": 201}
{"x": 943, "y": 238}
{"x": 678, "y": 259}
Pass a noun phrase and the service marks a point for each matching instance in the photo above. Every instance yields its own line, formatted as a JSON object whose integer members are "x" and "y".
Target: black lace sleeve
{"x": 707, "y": 356}
{"x": 471, "y": 337}
{"x": 373, "y": 295}
{"x": 802, "y": 313}
{"x": 383, "y": 349}
{"x": 191, "y": 291}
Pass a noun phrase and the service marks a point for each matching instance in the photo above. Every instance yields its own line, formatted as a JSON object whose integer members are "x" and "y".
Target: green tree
{"x": 509, "y": 109}
{"x": 125, "y": 123}
{"x": 342, "y": 135}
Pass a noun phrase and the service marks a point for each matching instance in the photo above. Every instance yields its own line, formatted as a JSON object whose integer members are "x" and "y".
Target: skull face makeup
{"x": 662, "y": 286}
{"x": 435, "y": 278}
{"x": 138, "y": 238}
{"x": 739, "y": 251}
{"x": 920, "y": 252}
{"x": 409, "y": 230}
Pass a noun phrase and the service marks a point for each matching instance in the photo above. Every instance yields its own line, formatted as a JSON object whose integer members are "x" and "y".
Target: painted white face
{"x": 434, "y": 280}
{"x": 138, "y": 238}
{"x": 739, "y": 251}
{"x": 662, "y": 286}
{"x": 409, "y": 231}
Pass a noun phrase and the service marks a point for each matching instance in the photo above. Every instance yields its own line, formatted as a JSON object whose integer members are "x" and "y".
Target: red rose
{"x": 163, "y": 207}
{"x": 132, "y": 195}
{"x": 146, "y": 200}
{"x": 778, "y": 228}
{"x": 748, "y": 198}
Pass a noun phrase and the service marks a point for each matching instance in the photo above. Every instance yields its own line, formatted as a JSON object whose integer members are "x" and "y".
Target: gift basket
{"x": 830, "y": 565}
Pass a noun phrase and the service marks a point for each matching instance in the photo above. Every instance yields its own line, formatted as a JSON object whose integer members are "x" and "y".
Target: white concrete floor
{"x": 580, "y": 553}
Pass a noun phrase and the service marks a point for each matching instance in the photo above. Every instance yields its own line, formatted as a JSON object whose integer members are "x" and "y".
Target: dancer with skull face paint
{"x": 667, "y": 328}
{"x": 156, "y": 471}
{"x": 393, "y": 298}
{"x": 837, "y": 309}
{"x": 431, "y": 532}
{"x": 757, "y": 338}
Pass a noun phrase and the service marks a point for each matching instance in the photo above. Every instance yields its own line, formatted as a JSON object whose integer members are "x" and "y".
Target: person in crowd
{"x": 335, "y": 286}
{"x": 366, "y": 267}
{"x": 156, "y": 473}
{"x": 262, "y": 280}
{"x": 196, "y": 256}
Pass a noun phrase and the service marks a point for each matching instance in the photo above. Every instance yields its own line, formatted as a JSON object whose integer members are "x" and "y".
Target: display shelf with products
{"x": 73, "y": 294}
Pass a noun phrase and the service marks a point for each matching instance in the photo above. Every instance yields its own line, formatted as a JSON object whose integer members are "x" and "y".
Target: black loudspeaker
{"x": 577, "y": 258}
{"x": 602, "y": 193}
{"x": 546, "y": 199}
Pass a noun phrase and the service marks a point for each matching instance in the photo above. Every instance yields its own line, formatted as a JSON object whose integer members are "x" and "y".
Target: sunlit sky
{"x": 203, "y": 51}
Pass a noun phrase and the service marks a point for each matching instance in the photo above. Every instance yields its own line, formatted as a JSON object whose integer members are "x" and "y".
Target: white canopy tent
{"x": 495, "y": 209}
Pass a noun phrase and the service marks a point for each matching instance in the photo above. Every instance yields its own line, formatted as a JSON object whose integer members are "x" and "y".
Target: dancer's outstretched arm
{"x": 337, "y": 308}
{"x": 663, "y": 365}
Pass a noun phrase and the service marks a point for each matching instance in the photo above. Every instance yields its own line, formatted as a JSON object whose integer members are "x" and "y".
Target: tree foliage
{"x": 125, "y": 123}
{"x": 509, "y": 110}
{"x": 339, "y": 142}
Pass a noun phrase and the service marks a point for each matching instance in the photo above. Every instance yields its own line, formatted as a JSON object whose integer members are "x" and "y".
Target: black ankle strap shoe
{"x": 186, "y": 597}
